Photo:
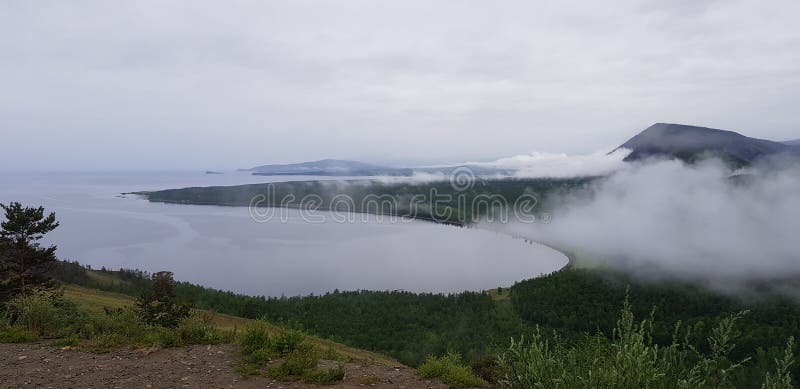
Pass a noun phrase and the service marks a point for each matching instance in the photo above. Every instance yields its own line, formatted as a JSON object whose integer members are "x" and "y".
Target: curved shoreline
{"x": 570, "y": 257}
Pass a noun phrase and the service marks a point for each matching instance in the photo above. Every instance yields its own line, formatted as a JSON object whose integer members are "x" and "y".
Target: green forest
{"x": 580, "y": 305}
{"x": 435, "y": 201}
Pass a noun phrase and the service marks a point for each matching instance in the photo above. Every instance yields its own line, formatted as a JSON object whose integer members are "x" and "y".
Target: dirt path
{"x": 39, "y": 365}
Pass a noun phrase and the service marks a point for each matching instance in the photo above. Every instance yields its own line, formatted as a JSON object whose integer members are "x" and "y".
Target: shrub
{"x": 35, "y": 312}
{"x": 123, "y": 323}
{"x": 168, "y": 338}
{"x": 257, "y": 346}
{"x": 199, "y": 330}
{"x": 287, "y": 342}
{"x": 299, "y": 357}
{"x": 255, "y": 338}
{"x": 450, "y": 370}
{"x": 158, "y": 306}
{"x": 296, "y": 364}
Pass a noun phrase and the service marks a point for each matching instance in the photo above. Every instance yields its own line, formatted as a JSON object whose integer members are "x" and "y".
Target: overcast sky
{"x": 227, "y": 84}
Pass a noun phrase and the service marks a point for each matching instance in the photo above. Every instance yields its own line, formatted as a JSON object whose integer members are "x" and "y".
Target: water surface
{"x": 223, "y": 247}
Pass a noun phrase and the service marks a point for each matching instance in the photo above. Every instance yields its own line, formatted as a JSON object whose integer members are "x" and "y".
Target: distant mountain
{"x": 691, "y": 142}
{"x": 329, "y": 167}
{"x": 337, "y": 167}
{"x": 795, "y": 143}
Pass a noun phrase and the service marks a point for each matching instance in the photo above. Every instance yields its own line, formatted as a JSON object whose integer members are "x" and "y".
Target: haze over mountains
{"x": 665, "y": 140}
{"x": 328, "y": 167}
{"x": 338, "y": 167}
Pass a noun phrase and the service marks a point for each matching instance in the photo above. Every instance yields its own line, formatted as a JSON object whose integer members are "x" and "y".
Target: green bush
{"x": 287, "y": 342}
{"x": 36, "y": 312}
{"x": 115, "y": 328}
{"x": 255, "y": 339}
{"x": 199, "y": 330}
{"x": 295, "y": 364}
{"x": 168, "y": 338}
{"x": 450, "y": 370}
{"x": 300, "y": 358}
{"x": 257, "y": 346}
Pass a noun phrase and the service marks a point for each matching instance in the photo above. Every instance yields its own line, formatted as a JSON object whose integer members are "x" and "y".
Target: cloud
{"x": 539, "y": 164}
{"x": 668, "y": 220}
{"x": 201, "y": 84}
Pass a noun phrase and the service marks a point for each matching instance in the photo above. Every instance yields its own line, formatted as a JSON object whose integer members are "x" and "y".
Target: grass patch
{"x": 450, "y": 370}
{"x": 297, "y": 358}
{"x": 16, "y": 334}
{"x": 38, "y": 313}
{"x": 96, "y": 302}
{"x": 48, "y": 315}
{"x": 296, "y": 364}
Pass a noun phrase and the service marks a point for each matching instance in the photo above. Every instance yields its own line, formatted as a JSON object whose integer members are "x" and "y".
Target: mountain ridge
{"x": 687, "y": 142}
{"x": 328, "y": 167}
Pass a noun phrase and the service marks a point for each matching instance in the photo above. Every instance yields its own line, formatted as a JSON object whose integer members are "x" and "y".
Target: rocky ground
{"x": 42, "y": 366}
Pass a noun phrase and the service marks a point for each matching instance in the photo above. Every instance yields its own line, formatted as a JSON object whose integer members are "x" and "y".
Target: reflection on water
{"x": 223, "y": 247}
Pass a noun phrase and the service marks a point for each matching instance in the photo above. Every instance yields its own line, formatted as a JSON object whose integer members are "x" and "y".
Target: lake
{"x": 225, "y": 248}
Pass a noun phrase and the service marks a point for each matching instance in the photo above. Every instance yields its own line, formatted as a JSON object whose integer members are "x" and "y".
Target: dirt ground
{"x": 42, "y": 366}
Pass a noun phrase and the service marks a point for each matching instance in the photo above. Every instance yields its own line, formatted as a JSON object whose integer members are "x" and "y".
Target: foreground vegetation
{"x": 630, "y": 359}
{"x": 288, "y": 355}
{"x": 45, "y": 315}
{"x": 581, "y": 305}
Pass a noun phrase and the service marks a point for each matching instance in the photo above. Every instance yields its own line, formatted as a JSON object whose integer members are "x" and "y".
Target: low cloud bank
{"x": 534, "y": 165}
{"x": 664, "y": 219}
{"x": 556, "y": 165}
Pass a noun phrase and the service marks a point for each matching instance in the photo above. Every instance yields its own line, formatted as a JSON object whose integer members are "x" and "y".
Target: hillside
{"x": 77, "y": 362}
{"x": 688, "y": 142}
{"x": 478, "y": 325}
{"x": 406, "y": 196}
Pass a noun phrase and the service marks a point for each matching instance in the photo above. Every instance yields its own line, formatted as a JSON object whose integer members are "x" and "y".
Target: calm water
{"x": 223, "y": 247}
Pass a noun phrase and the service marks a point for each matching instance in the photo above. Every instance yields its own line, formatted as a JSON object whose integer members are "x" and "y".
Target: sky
{"x": 99, "y": 85}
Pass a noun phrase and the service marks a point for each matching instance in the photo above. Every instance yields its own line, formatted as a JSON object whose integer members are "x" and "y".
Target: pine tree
{"x": 23, "y": 261}
{"x": 159, "y": 306}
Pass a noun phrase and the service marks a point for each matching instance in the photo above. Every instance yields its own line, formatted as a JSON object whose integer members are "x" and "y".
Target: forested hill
{"x": 574, "y": 302}
{"x": 402, "y": 198}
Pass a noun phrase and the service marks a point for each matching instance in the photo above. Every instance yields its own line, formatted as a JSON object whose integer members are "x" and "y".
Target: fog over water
{"x": 223, "y": 247}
